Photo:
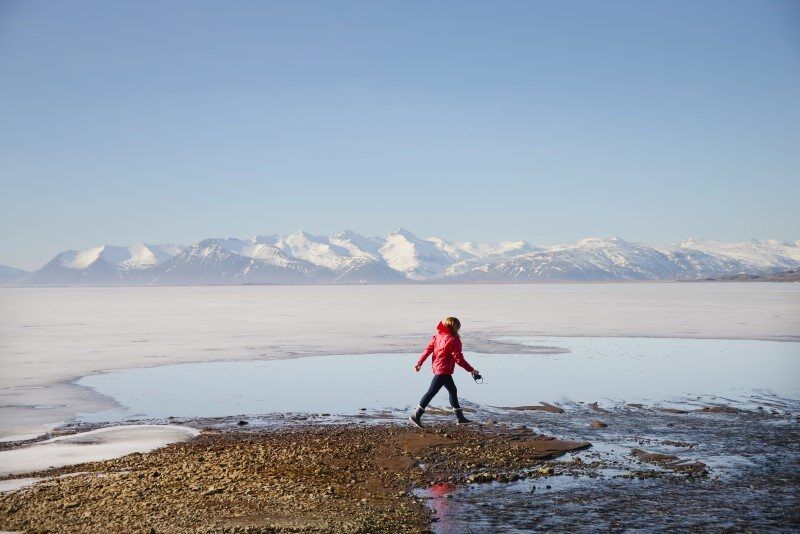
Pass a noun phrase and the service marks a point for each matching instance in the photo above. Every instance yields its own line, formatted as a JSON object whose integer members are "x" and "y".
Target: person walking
{"x": 445, "y": 348}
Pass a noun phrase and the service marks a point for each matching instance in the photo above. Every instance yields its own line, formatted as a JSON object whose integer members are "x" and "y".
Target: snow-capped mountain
{"x": 347, "y": 257}
{"x": 503, "y": 248}
{"x": 104, "y": 264}
{"x": 209, "y": 263}
{"x": 137, "y": 256}
{"x": 483, "y": 254}
{"x": 767, "y": 255}
{"x": 352, "y": 258}
{"x": 418, "y": 259}
{"x": 591, "y": 259}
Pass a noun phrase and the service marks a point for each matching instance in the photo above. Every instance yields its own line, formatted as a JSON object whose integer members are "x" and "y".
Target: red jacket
{"x": 446, "y": 350}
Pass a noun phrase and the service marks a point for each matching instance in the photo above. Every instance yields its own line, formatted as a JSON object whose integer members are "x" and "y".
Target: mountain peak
{"x": 402, "y": 232}
{"x": 347, "y": 234}
{"x": 601, "y": 241}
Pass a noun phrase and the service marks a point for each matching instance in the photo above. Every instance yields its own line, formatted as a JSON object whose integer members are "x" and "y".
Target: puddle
{"x": 613, "y": 371}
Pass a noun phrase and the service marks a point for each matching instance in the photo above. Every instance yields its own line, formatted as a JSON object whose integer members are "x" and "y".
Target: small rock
{"x": 546, "y": 471}
{"x": 597, "y": 424}
{"x": 213, "y": 491}
{"x": 71, "y": 504}
{"x": 242, "y": 422}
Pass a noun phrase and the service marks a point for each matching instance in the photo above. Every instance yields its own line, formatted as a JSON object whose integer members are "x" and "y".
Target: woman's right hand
{"x": 417, "y": 368}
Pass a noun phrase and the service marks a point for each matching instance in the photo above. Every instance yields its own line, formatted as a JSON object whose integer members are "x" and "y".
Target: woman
{"x": 446, "y": 349}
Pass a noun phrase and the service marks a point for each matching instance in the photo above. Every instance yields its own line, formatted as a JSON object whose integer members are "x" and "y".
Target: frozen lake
{"x": 50, "y": 337}
{"x": 611, "y": 371}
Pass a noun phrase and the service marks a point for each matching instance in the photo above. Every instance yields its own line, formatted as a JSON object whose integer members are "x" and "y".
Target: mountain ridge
{"x": 347, "y": 257}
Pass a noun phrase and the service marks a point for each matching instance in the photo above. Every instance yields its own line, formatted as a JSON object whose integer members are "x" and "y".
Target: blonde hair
{"x": 453, "y": 324}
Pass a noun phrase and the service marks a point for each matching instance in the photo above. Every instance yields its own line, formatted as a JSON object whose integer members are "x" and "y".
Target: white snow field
{"x": 93, "y": 446}
{"x": 51, "y": 336}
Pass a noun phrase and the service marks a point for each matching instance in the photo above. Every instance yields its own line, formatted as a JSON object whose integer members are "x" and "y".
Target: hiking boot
{"x": 460, "y": 417}
{"x": 417, "y": 417}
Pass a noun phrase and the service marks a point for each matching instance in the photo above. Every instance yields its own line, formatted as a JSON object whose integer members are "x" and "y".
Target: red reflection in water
{"x": 441, "y": 505}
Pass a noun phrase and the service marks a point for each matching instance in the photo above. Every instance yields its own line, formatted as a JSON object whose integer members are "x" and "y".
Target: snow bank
{"x": 16, "y": 484}
{"x": 96, "y": 445}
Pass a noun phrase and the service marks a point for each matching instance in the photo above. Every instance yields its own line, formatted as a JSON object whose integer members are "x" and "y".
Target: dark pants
{"x": 436, "y": 384}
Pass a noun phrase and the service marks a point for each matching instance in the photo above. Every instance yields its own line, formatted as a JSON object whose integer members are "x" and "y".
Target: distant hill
{"x": 787, "y": 276}
{"x": 11, "y": 275}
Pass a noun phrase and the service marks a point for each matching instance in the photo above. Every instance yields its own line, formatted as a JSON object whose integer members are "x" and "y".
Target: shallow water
{"x": 752, "y": 484}
{"x": 612, "y": 371}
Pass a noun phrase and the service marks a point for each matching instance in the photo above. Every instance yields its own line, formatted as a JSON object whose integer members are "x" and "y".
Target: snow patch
{"x": 93, "y": 446}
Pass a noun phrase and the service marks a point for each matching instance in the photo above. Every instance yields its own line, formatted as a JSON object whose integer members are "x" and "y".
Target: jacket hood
{"x": 443, "y": 329}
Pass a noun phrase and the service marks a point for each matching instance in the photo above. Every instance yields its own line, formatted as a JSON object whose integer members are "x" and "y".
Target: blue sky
{"x": 175, "y": 121}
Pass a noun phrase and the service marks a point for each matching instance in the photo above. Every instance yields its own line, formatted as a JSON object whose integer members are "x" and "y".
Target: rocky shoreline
{"x": 352, "y": 478}
{"x": 713, "y": 467}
